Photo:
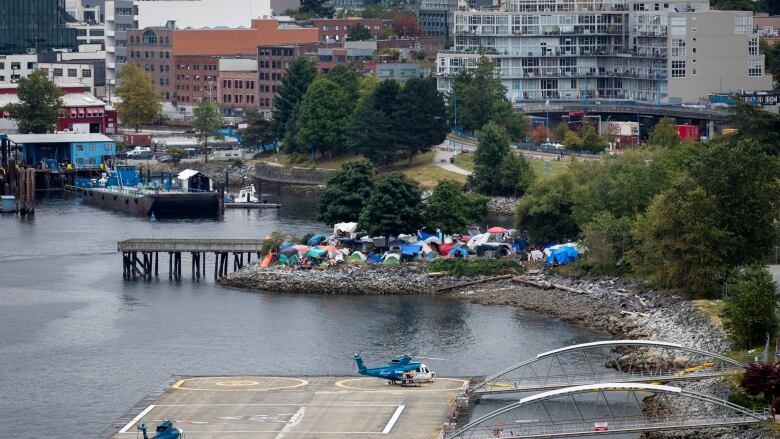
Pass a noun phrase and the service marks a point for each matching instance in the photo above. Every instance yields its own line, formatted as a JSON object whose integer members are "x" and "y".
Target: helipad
{"x": 298, "y": 407}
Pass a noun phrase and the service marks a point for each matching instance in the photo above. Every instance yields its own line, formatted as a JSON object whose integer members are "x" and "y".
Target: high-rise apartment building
{"x": 34, "y": 25}
{"x": 121, "y": 16}
{"x": 673, "y": 51}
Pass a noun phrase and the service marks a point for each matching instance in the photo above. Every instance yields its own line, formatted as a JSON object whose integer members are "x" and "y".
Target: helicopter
{"x": 166, "y": 430}
{"x": 403, "y": 369}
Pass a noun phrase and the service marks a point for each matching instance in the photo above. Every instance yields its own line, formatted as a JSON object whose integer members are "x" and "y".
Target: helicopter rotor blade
{"x": 429, "y": 358}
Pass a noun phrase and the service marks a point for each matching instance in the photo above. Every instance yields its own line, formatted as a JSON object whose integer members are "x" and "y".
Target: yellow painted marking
{"x": 238, "y": 384}
{"x": 343, "y": 385}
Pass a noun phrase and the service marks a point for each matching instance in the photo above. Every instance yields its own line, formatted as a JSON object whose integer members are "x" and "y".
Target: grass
{"x": 476, "y": 267}
{"x": 554, "y": 168}
{"x": 428, "y": 176}
{"x": 711, "y": 309}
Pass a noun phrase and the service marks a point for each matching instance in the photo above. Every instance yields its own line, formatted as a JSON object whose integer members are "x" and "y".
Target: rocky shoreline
{"x": 625, "y": 309}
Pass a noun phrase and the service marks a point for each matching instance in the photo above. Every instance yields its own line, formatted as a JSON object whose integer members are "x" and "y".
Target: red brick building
{"x": 196, "y": 78}
{"x": 272, "y": 62}
{"x": 237, "y": 85}
{"x": 151, "y": 49}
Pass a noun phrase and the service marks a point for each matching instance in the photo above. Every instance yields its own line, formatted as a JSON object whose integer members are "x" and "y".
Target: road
{"x": 442, "y": 160}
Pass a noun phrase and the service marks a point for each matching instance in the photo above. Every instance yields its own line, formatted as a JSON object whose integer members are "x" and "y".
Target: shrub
{"x": 237, "y": 163}
{"x": 751, "y": 307}
{"x": 476, "y": 267}
{"x": 296, "y": 158}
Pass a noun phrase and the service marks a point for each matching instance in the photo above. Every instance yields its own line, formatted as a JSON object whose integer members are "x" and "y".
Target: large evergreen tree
{"x": 40, "y": 104}
{"x": 451, "y": 210}
{"x": 257, "y": 131}
{"x": 346, "y": 192}
{"x": 371, "y": 129}
{"x": 323, "y": 118}
{"x": 394, "y": 207}
{"x": 140, "y": 98}
{"x": 289, "y": 94}
{"x": 421, "y": 117}
{"x": 475, "y": 94}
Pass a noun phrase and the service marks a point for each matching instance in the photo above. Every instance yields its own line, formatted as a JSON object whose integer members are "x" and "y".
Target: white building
{"x": 200, "y": 13}
{"x": 85, "y": 67}
{"x": 678, "y": 51}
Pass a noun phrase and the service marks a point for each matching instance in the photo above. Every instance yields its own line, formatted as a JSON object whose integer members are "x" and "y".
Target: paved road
{"x": 442, "y": 160}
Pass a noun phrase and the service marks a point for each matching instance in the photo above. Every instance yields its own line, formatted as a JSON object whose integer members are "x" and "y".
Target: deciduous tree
{"x": 451, "y": 210}
{"x": 359, "y": 33}
{"x": 257, "y": 131}
{"x": 323, "y": 118}
{"x": 664, "y": 134}
{"x": 140, "y": 98}
{"x": 207, "y": 120}
{"x": 546, "y": 211}
{"x": 750, "y": 311}
{"x": 394, "y": 207}
{"x": 346, "y": 192}
{"x": 40, "y": 104}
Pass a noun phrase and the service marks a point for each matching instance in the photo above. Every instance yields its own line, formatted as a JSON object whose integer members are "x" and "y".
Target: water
{"x": 80, "y": 346}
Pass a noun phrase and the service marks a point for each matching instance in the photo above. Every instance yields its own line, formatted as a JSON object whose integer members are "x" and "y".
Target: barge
{"x": 122, "y": 190}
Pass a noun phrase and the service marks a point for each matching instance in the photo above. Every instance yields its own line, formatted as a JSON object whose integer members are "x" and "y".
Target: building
{"x": 196, "y": 79}
{"x": 15, "y": 67}
{"x": 436, "y": 17}
{"x": 82, "y": 151}
{"x": 33, "y": 26}
{"x": 82, "y": 112}
{"x": 272, "y": 62}
{"x": 120, "y": 17}
{"x": 627, "y": 50}
{"x": 279, "y": 7}
{"x": 151, "y": 49}
{"x": 237, "y": 85}
{"x": 337, "y": 29}
{"x": 398, "y": 71}
{"x": 201, "y": 14}
{"x": 240, "y": 42}
{"x": 86, "y": 67}
{"x": 353, "y": 57}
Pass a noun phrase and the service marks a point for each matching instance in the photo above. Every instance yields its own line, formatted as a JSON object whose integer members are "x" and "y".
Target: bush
{"x": 747, "y": 401}
{"x": 751, "y": 307}
{"x": 237, "y": 163}
{"x": 476, "y": 267}
{"x": 296, "y": 158}
{"x": 273, "y": 242}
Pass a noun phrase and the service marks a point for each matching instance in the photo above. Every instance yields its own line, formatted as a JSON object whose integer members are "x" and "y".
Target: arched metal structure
{"x": 605, "y": 409}
{"x": 616, "y": 361}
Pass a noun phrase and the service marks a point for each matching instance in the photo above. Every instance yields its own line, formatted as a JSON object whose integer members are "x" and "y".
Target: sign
{"x": 772, "y": 98}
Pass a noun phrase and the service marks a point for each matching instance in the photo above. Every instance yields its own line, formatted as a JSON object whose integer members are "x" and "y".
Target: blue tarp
{"x": 316, "y": 253}
{"x": 286, "y": 244}
{"x": 422, "y": 236}
{"x": 410, "y": 249}
{"x": 520, "y": 244}
{"x": 373, "y": 257}
{"x": 563, "y": 255}
{"x": 315, "y": 240}
{"x": 455, "y": 251}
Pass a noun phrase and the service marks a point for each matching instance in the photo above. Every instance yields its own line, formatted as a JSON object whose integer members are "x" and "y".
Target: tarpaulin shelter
{"x": 497, "y": 230}
{"x": 537, "y": 255}
{"x": 411, "y": 249}
{"x": 458, "y": 252}
{"x": 478, "y": 240}
{"x": 444, "y": 249}
{"x": 292, "y": 260}
{"x": 316, "y": 253}
{"x": 373, "y": 258}
{"x": 562, "y": 255}
{"x": 344, "y": 230}
{"x": 289, "y": 251}
{"x": 315, "y": 240}
{"x": 286, "y": 244}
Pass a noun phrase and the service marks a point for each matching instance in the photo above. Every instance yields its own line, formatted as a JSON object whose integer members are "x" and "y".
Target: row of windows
{"x": 148, "y": 54}
{"x": 18, "y": 66}
{"x": 273, "y": 64}
{"x": 195, "y": 78}
{"x": 163, "y": 67}
{"x": 276, "y": 51}
{"x": 72, "y": 73}
{"x": 150, "y": 38}
{"x": 92, "y": 147}
{"x": 209, "y": 67}
{"x": 346, "y": 27}
{"x": 238, "y": 99}
{"x": 237, "y": 83}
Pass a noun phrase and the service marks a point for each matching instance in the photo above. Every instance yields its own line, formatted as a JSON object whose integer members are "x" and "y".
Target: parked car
{"x": 600, "y": 426}
{"x": 165, "y": 159}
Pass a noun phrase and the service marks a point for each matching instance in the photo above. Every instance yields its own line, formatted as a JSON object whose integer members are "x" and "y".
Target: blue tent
{"x": 520, "y": 244}
{"x": 410, "y": 249}
{"x": 563, "y": 255}
{"x": 315, "y": 240}
{"x": 373, "y": 257}
{"x": 458, "y": 251}
{"x": 422, "y": 236}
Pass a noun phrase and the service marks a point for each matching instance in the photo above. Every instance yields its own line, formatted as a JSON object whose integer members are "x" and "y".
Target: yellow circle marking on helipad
{"x": 394, "y": 388}
{"x": 238, "y": 384}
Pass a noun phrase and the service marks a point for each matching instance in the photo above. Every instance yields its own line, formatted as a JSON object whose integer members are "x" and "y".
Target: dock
{"x": 230, "y": 205}
{"x": 147, "y": 265}
{"x": 266, "y": 407}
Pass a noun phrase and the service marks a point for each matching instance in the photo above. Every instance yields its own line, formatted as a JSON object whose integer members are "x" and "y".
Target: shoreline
{"x": 626, "y": 309}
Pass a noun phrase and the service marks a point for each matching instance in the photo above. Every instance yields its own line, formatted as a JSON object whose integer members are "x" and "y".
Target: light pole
{"x": 609, "y": 132}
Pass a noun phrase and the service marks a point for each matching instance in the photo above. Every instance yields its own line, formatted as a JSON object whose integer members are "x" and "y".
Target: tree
{"x": 591, "y": 141}
{"x": 560, "y": 131}
{"x": 474, "y": 94}
{"x": 371, "y": 130}
{"x": 296, "y": 81}
{"x": 679, "y": 244}
{"x": 515, "y": 176}
{"x": 257, "y": 131}
{"x": 513, "y": 122}
{"x": 664, "y": 134}
{"x": 346, "y": 79}
{"x": 762, "y": 379}
{"x": 40, "y": 104}
{"x": 346, "y": 192}
{"x": 207, "y": 120}
{"x": 317, "y": 8}
{"x": 367, "y": 84}
{"x": 324, "y": 117}
{"x": 420, "y": 118}
{"x": 572, "y": 140}
{"x": 539, "y": 134}
{"x": 359, "y": 33}
{"x": 406, "y": 24}
{"x": 140, "y": 98}
{"x": 451, "y": 210}
{"x": 750, "y": 311}
{"x": 394, "y": 207}
{"x": 492, "y": 149}
{"x": 546, "y": 210}
{"x": 176, "y": 154}
{"x": 607, "y": 239}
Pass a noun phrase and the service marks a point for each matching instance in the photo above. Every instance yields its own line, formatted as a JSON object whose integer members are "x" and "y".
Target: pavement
{"x": 442, "y": 160}
{"x": 299, "y": 407}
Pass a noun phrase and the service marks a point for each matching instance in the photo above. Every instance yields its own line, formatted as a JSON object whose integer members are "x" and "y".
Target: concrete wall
{"x": 721, "y": 57}
{"x": 282, "y": 174}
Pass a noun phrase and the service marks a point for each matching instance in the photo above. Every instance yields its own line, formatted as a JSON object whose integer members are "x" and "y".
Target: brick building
{"x": 337, "y": 29}
{"x": 272, "y": 62}
{"x": 237, "y": 85}
{"x": 151, "y": 49}
{"x": 196, "y": 78}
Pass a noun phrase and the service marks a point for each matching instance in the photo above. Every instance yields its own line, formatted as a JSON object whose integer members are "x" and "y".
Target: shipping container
{"x": 688, "y": 132}
{"x": 137, "y": 139}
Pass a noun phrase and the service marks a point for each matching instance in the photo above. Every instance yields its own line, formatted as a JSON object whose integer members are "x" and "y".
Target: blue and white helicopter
{"x": 403, "y": 369}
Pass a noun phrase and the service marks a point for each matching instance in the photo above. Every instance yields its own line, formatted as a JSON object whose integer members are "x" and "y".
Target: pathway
{"x": 442, "y": 160}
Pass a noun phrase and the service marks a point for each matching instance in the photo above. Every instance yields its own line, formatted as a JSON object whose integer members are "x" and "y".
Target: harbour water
{"x": 80, "y": 346}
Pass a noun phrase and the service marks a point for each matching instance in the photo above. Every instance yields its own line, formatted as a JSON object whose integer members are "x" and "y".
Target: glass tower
{"x": 36, "y": 25}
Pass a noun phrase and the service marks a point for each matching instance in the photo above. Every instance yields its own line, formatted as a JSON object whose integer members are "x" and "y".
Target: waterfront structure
{"x": 82, "y": 151}
{"x": 82, "y": 112}
{"x": 617, "y": 50}
{"x": 34, "y": 25}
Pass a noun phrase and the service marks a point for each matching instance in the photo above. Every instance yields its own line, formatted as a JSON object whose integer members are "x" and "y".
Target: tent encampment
{"x": 392, "y": 259}
{"x": 316, "y": 253}
{"x": 460, "y": 251}
{"x": 344, "y": 230}
{"x": 315, "y": 240}
{"x": 357, "y": 258}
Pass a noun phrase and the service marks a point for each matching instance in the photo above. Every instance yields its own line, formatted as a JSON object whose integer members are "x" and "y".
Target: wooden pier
{"x": 147, "y": 265}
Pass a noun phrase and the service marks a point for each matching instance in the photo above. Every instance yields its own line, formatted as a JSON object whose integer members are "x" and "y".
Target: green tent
{"x": 392, "y": 259}
{"x": 316, "y": 253}
{"x": 356, "y": 258}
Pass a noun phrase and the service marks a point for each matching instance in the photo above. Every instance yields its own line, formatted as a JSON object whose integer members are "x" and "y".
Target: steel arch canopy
{"x": 532, "y": 417}
{"x": 549, "y": 370}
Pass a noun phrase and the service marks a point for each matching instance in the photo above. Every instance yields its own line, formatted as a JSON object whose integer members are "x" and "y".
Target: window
{"x": 755, "y": 67}
{"x": 753, "y": 46}
{"x": 678, "y": 69}
{"x": 16, "y": 66}
{"x": 30, "y": 66}
{"x": 678, "y": 25}
{"x": 678, "y": 48}
{"x": 150, "y": 37}
{"x": 742, "y": 24}
{"x": 57, "y": 73}
{"x": 73, "y": 73}
{"x": 79, "y": 148}
{"x": 108, "y": 147}
{"x": 91, "y": 146}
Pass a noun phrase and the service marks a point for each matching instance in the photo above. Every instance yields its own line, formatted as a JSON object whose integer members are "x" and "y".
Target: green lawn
{"x": 541, "y": 168}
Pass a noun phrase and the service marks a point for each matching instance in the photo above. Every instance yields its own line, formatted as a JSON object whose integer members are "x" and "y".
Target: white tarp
{"x": 345, "y": 229}
{"x": 479, "y": 240}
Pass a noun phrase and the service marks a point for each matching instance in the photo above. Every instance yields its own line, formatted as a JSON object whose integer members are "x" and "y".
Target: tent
{"x": 410, "y": 249}
{"x": 478, "y": 240}
{"x": 373, "y": 258}
{"x": 444, "y": 249}
{"x": 536, "y": 255}
{"x": 392, "y": 259}
{"x": 316, "y": 253}
{"x": 286, "y": 244}
{"x": 357, "y": 258}
{"x": 292, "y": 260}
{"x": 345, "y": 230}
{"x": 497, "y": 230}
{"x": 314, "y": 240}
{"x": 562, "y": 255}
{"x": 289, "y": 251}
{"x": 423, "y": 236}
{"x": 432, "y": 239}
{"x": 458, "y": 252}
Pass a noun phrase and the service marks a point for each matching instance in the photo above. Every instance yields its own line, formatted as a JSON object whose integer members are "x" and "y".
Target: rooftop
{"x": 69, "y": 100}
{"x": 57, "y": 138}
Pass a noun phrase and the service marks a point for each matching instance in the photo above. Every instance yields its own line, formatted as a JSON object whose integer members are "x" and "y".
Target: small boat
{"x": 247, "y": 198}
{"x": 247, "y": 194}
